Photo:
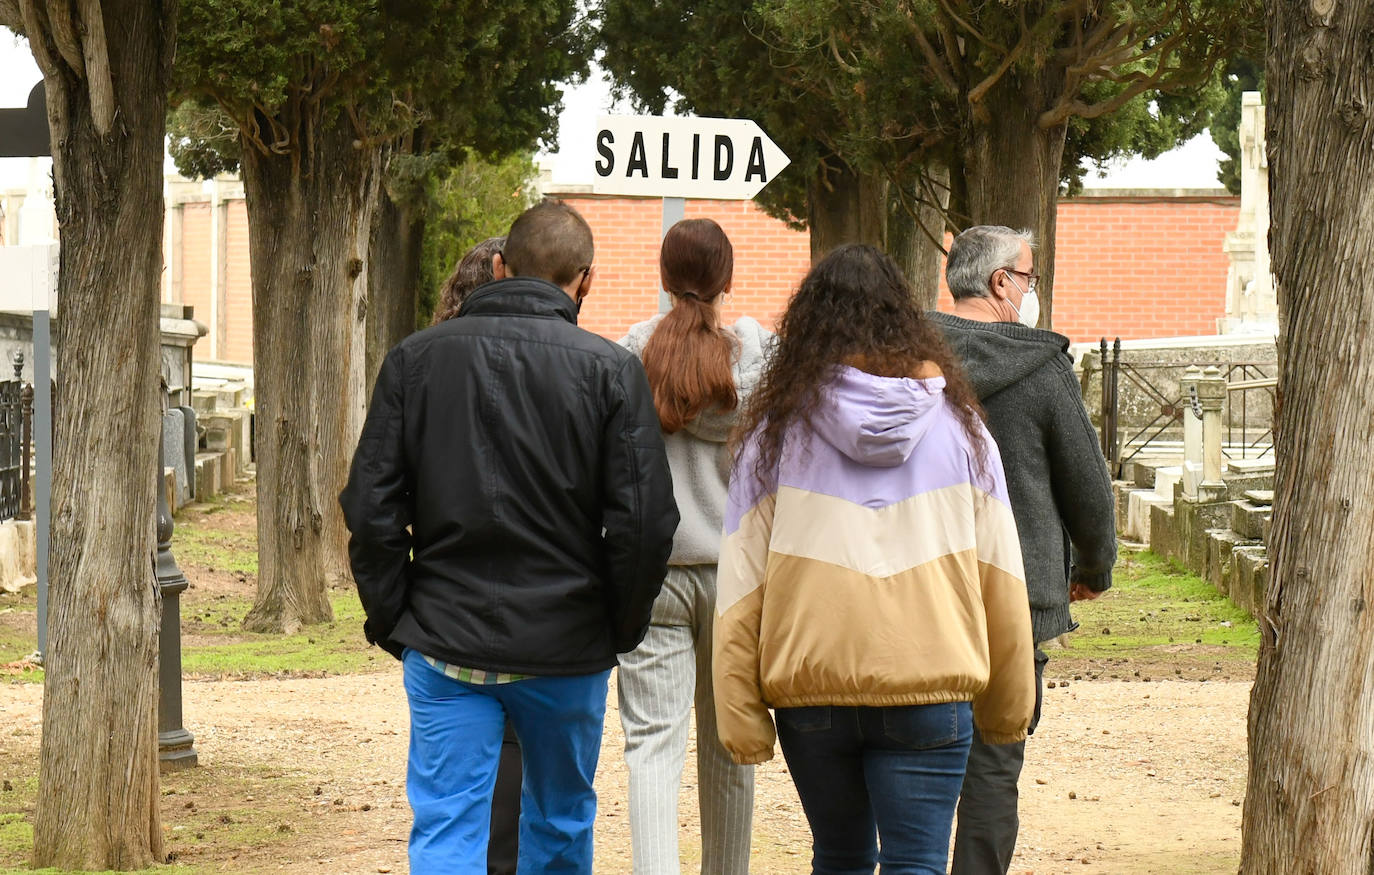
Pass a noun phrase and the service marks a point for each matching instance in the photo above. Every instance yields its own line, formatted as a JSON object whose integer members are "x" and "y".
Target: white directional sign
{"x": 665, "y": 156}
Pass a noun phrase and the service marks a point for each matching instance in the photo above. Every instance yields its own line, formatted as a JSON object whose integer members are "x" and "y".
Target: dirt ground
{"x": 1123, "y": 777}
{"x": 1128, "y": 774}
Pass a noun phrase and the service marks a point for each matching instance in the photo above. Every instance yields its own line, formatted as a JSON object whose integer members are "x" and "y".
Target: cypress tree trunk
{"x": 845, "y": 207}
{"x": 909, "y": 237}
{"x": 393, "y": 284}
{"x": 310, "y": 216}
{"x": 1309, "y": 805}
{"x": 1011, "y": 167}
{"x": 106, "y": 83}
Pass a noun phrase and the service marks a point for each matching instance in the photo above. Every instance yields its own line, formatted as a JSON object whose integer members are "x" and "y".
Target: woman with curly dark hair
{"x": 871, "y": 590}
{"x": 473, "y": 270}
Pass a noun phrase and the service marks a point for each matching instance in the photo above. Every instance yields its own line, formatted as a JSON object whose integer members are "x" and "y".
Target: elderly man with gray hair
{"x": 1057, "y": 481}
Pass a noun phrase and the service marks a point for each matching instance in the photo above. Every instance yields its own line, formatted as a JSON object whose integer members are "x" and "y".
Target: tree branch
{"x": 1073, "y": 107}
{"x": 976, "y": 94}
{"x": 99, "y": 80}
{"x": 10, "y": 16}
{"x": 35, "y": 29}
{"x": 64, "y": 35}
{"x": 835, "y": 53}
{"x": 938, "y": 67}
{"x": 973, "y": 31}
{"x": 951, "y": 43}
{"x": 914, "y": 213}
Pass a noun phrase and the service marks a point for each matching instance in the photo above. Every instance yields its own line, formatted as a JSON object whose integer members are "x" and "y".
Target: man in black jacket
{"x": 511, "y": 513}
{"x": 1057, "y": 481}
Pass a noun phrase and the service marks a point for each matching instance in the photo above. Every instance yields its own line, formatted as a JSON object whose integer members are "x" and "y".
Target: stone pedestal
{"x": 1251, "y": 305}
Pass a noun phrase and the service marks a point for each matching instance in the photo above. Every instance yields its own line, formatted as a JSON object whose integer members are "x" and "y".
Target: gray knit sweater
{"x": 698, "y": 455}
{"x": 1057, "y": 479}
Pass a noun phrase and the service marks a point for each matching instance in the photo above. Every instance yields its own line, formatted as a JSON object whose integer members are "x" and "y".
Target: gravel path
{"x": 1123, "y": 777}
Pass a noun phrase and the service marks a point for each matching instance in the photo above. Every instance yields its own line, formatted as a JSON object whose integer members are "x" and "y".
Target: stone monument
{"x": 1251, "y": 306}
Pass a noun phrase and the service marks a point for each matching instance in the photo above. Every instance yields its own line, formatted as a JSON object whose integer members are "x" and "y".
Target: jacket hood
{"x": 752, "y": 342}
{"x": 878, "y": 421}
{"x": 997, "y": 354}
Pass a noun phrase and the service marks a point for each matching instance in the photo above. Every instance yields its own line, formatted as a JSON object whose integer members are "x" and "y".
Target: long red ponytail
{"x": 688, "y": 358}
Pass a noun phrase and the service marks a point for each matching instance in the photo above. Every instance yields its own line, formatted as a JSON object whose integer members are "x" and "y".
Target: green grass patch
{"x": 210, "y": 815}
{"x": 16, "y": 835}
{"x": 196, "y": 543}
{"x": 18, "y": 634}
{"x": 1154, "y": 604}
{"x": 337, "y": 647}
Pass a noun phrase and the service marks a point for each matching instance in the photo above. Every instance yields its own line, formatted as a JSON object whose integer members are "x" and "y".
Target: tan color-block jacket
{"x": 878, "y": 565}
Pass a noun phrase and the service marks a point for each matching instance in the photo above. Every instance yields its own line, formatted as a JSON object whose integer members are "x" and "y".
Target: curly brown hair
{"x": 473, "y": 270}
{"x": 854, "y": 308}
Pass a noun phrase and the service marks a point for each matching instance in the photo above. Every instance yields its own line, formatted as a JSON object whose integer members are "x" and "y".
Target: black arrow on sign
{"x": 24, "y": 132}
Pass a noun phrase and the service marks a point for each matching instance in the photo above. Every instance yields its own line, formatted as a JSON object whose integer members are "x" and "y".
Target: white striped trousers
{"x": 657, "y": 684}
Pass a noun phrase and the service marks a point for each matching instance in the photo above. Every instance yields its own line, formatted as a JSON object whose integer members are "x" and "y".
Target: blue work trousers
{"x": 455, "y": 744}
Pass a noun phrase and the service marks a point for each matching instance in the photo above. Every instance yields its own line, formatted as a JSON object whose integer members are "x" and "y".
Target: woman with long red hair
{"x": 701, "y": 373}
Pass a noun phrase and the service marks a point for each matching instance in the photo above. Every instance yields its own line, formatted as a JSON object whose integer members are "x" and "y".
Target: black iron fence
{"x": 1249, "y": 423}
{"x": 16, "y": 425}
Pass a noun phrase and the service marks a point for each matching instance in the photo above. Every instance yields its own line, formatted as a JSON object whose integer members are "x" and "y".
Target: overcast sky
{"x": 1193, "y": 165}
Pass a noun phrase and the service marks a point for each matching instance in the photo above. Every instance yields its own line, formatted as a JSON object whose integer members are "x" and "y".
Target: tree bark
{"x": 909, "y": 237}
{"x": 393, "y": 281}
{"x": 1011, "y": 168}
{"x": 845, "y": 207}
{"x": 310, "y": 216}
{"x": 1310, "y": 800}
{"x": 98, "y": 774}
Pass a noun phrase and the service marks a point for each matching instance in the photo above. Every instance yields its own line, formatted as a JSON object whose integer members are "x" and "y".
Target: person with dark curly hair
{"x": 503, "y": 847}
{"x": 473, "y": 270}
{"x": 871, "y": 590}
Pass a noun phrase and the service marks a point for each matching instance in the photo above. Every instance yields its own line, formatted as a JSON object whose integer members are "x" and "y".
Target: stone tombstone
{"x": 1251, "y": 305}
{"x": 174, "y": 452}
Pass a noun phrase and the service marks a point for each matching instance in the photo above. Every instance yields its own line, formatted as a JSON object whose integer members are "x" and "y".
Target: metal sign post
{"x": 42, "y": 431}
{"x": 30, "y": 285}
{"x": 675, "y": 158}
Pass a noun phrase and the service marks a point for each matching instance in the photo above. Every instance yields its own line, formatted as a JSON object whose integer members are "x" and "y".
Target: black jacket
{"x": 510, "y": 503}
{"x": 1057, "y": 479}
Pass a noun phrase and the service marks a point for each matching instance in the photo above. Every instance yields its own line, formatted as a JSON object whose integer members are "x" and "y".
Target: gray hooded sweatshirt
{"x": 698, "y": 455}
{"x": 1057, "y": 479}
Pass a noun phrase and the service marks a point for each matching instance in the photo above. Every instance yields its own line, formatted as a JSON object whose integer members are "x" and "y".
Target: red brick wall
{"x": 1125, "y": 267}
{"x": 196, "y": 276}
{"x": 238, "y": 290}
{"x": 1141, "y": 268}
{"x": 769, "y": 260}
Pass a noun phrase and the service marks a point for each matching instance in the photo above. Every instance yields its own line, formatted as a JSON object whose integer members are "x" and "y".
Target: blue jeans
{"x": 865, "y": 774}
{"x": 455, "y": 744}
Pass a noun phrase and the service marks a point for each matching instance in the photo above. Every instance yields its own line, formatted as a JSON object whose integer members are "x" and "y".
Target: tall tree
{"x": 1242, "y": 74}
{"x": 471, "y": 202}
{"x": 1309, "y": 806}
{"x": 704, "y": 58}
{"x": 993, "y": 91}
{"x": 105, "y": 72}
{"x": 322, "y": 93}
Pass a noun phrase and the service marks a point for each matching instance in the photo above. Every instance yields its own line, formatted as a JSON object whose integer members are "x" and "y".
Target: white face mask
{"x": 1028, "y": 314}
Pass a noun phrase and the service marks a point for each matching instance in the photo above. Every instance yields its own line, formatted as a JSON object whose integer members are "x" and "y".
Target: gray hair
{"x": 978, "y": 253}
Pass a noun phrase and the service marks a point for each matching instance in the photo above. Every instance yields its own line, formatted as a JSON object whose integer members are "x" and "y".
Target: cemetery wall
{"x": 1133, "y": 265}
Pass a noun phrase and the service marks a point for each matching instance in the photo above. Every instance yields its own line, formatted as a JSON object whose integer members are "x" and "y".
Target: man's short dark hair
{"x": 550, "y": 241}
